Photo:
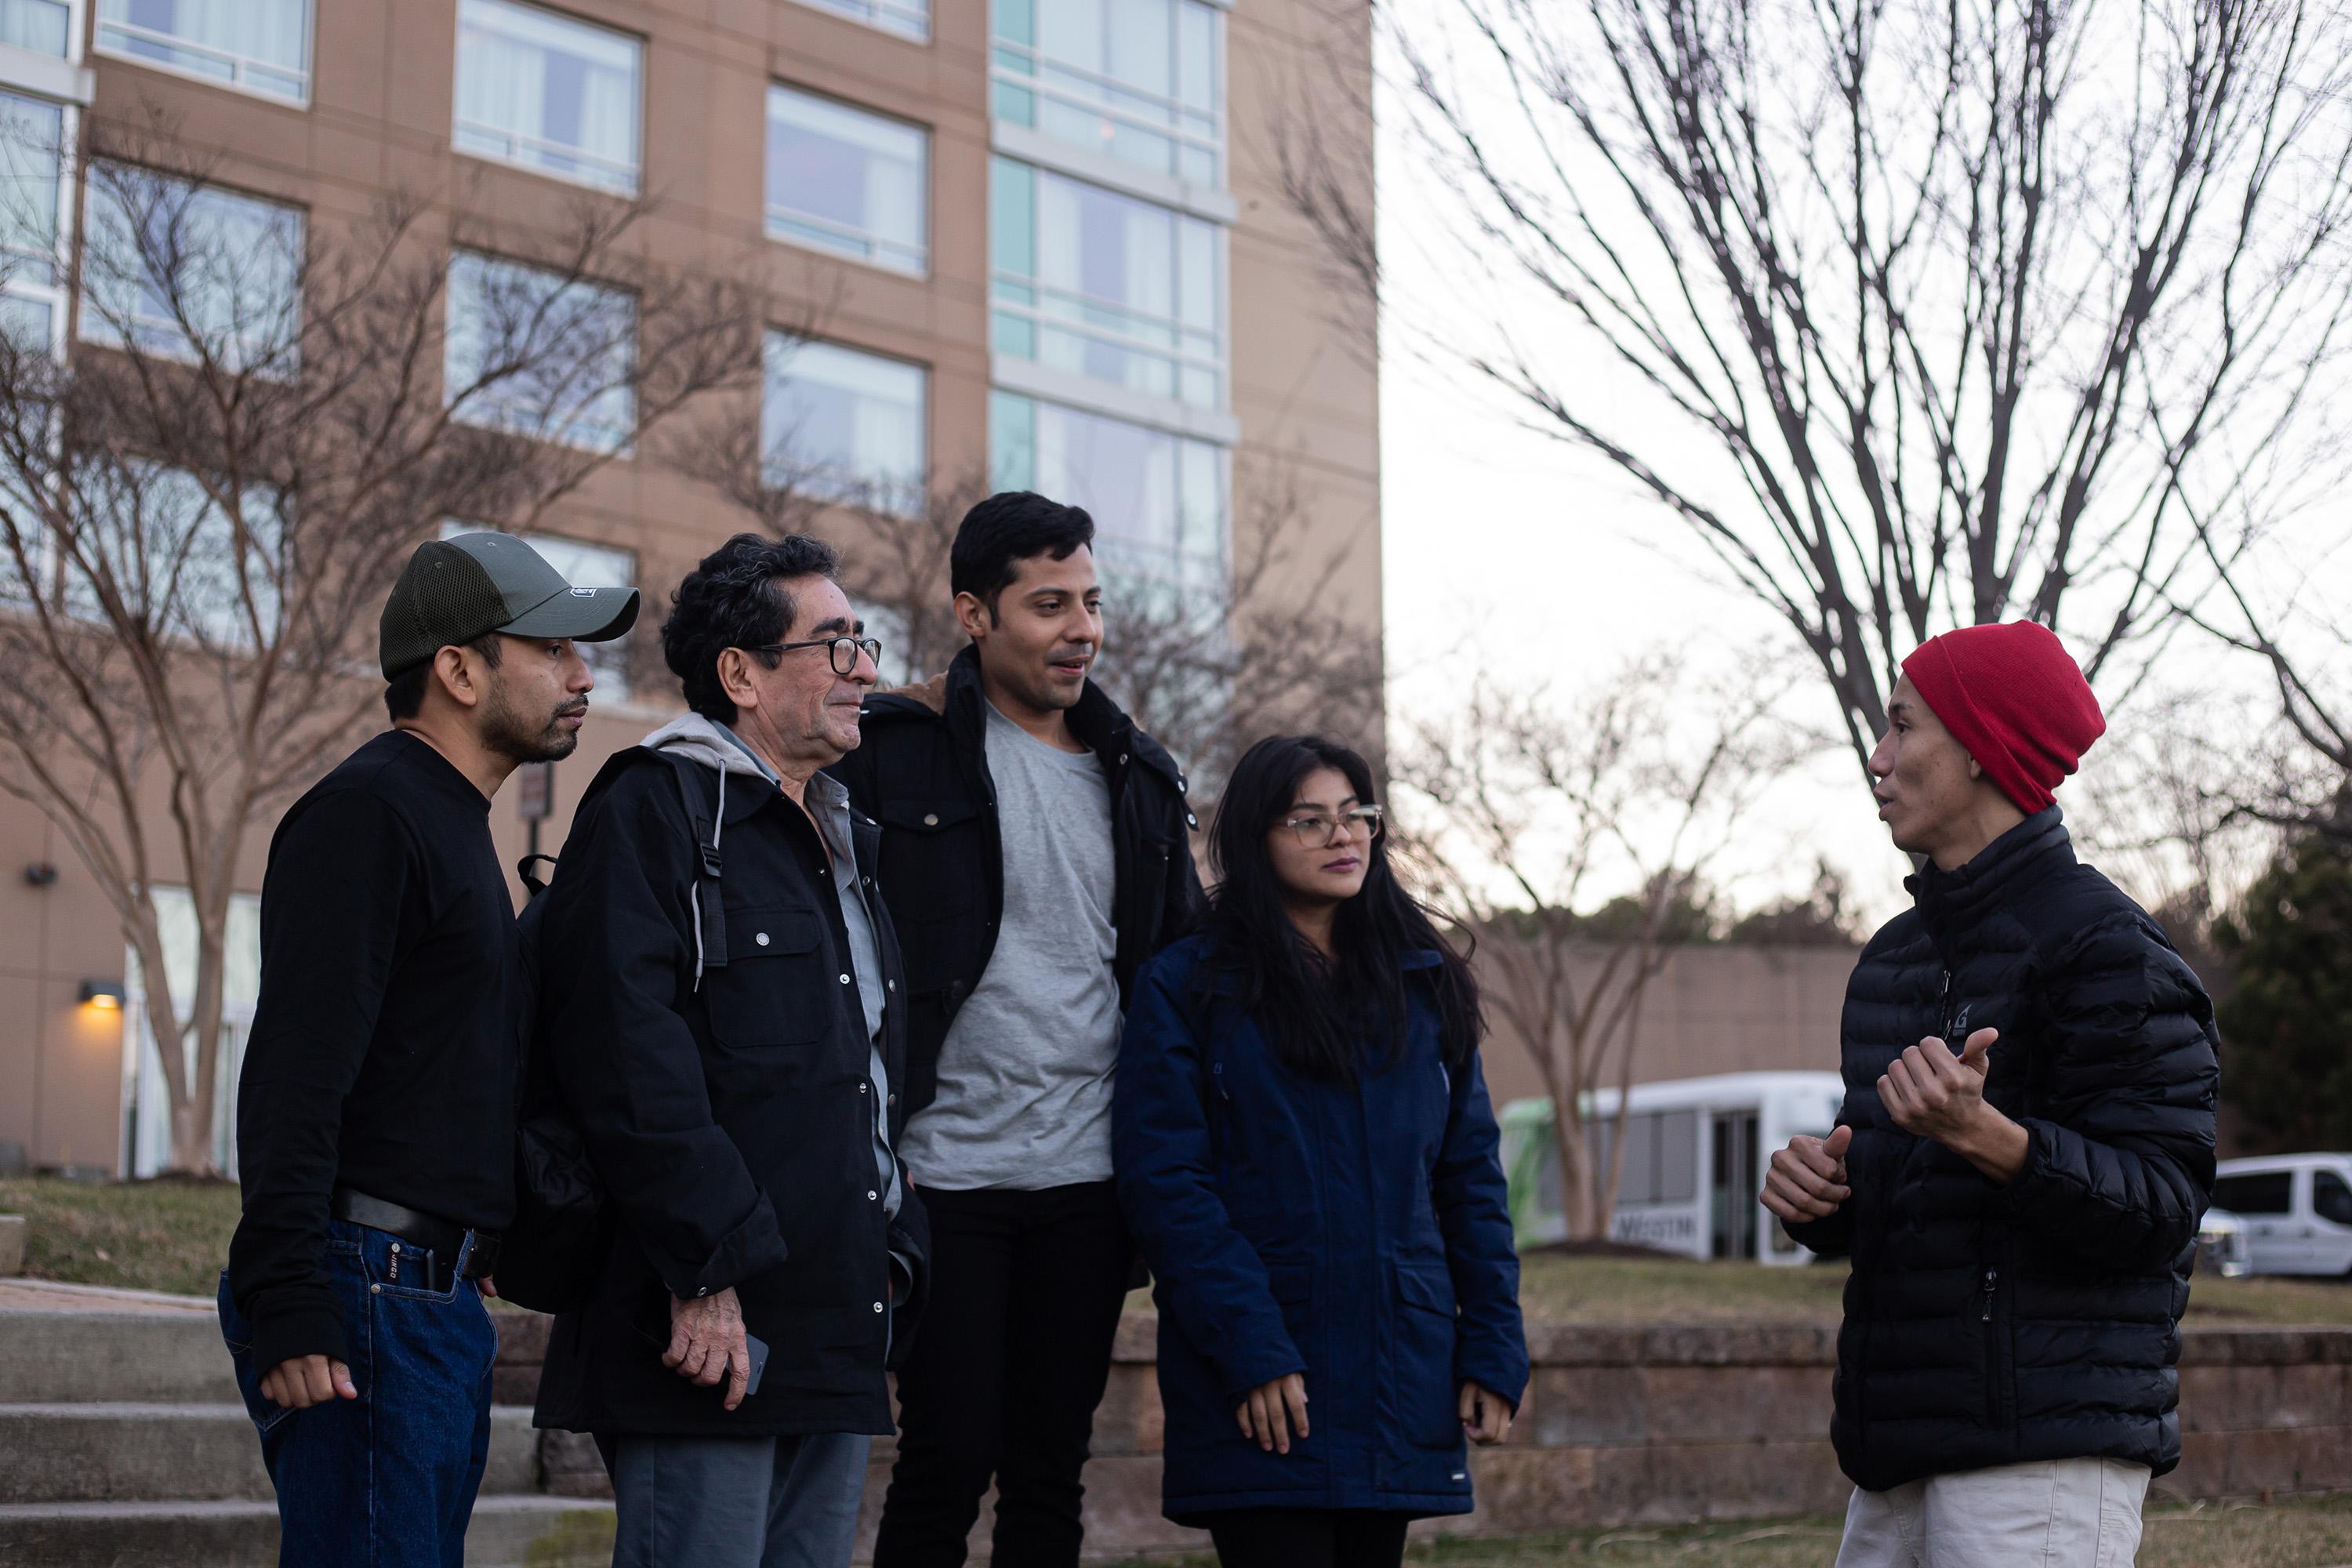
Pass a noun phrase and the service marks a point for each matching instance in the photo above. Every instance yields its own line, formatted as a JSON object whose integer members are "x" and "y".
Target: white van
{"x": 1696, "y": 1153}
{"x": 2297, "y": 1210}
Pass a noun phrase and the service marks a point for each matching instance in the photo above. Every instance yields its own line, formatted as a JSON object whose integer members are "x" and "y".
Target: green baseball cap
{"x": 454, "y": 590}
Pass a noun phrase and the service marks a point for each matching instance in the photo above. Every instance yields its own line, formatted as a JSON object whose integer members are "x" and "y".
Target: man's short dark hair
{"x": 403, "y": 695}
{"x": 734, "y": 599}
{"x": 1008, "y": 528}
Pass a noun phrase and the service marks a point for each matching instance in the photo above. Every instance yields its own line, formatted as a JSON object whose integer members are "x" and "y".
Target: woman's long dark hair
{"x": 1324, "y": 1019}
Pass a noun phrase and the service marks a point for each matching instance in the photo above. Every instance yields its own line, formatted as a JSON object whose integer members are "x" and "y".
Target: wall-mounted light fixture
{"x": 40, "y": 874}
{"x": 103, "y": 995}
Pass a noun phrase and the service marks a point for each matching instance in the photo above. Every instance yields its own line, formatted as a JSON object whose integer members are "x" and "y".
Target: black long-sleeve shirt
{"x": 382, "y": 1050}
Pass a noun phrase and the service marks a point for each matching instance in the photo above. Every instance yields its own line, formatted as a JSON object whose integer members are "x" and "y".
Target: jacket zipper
{"x": 1996, "y": 1376}
{"x": 1217, "y": 1071}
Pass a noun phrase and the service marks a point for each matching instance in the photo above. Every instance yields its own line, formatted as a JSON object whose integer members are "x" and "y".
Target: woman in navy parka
{"x": 1305, "y": 1151}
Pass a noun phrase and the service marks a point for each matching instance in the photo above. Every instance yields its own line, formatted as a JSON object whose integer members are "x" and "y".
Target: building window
{"x": 547, "y": 93}
{"x": 32, "y": 255}
{"x": 1158, "y": 500}
{"x": 170, "y": 551}
{"x": 539, "y": 353}
{"x": 843, "y": 425}
{"x": 848, "y": 181}
{"x": 583, "y": 565}
{"x": 907, "y": 18}
{"x": 165, "y": 259}
{"x": 1105, "y": 286}
{"x": 43, "y": 26}
{"x": 260, "y": 45}
{"x": 1142, "y": 80}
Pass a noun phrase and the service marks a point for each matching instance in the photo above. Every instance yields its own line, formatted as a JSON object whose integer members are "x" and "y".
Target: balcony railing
{"x": 171, "y": 51}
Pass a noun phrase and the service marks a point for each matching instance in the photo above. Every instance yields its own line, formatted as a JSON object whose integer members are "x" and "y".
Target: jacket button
{"x": 762, "y": 939}
{"x": 893, "y": 1100}
{"x": 889, "y": 986}
{"x": 869, "y": 1197}
{"x": 861, "y": 1089}
{"x": 877, "y": 1306}
{"x": 930, "y": 819}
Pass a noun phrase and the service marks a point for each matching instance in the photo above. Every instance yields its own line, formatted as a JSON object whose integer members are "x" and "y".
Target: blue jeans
{"x": 386, "y": 1480}
{"x": 736, "y": 1502}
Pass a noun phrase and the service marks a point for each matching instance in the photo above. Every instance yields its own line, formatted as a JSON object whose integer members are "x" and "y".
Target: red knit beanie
{"x": 2014, "y": 697}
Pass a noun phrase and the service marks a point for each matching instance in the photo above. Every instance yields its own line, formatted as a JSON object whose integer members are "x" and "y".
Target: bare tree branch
{"x": 1978, "y": 312}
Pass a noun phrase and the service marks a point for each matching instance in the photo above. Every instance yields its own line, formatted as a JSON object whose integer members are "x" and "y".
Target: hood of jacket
{"x": 706, "y": 742}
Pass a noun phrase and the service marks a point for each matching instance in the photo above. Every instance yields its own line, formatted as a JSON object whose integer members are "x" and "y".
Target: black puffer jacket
{"x": 1990, "y": 1326}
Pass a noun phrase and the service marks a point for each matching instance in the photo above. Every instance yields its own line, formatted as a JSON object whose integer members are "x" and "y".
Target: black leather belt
{"x": 444, "y": 1239}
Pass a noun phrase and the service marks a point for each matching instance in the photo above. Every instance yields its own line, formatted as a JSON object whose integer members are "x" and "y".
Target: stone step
{"x": 507, "y": 1532}
{"x": 158, "y": 1452}
{"x": 52, "y": 1357}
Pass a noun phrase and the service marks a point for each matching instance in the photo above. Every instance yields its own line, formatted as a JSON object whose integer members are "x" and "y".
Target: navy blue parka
{"x": 1358, "y": 1235}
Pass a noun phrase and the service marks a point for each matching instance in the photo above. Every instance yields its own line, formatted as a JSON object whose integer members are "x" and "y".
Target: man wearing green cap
{"x": 376, "y": 1114}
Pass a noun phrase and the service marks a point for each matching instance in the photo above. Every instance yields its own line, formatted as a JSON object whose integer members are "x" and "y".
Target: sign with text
{"x": 535, "y": 791}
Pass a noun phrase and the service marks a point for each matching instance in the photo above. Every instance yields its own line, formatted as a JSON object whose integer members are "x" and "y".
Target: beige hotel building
{"x": 1044, "y": 240}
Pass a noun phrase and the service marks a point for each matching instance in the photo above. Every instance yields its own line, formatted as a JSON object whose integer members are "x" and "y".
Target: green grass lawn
{"x": 173, "y": 1236}
{"x": 147, "y": 1235}
{"x": 2294, "y": 1532}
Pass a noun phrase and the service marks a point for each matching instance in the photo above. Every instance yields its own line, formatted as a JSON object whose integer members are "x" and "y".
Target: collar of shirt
{"x": 758, "y": 760}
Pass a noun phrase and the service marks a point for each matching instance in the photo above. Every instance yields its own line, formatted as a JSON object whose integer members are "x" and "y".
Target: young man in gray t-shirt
{"x": 1036, "y": 851}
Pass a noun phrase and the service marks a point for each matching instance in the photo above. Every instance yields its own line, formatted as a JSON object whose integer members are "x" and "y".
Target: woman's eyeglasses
{"x": 844, "y": 650}
{"x": 1318, "y": 831}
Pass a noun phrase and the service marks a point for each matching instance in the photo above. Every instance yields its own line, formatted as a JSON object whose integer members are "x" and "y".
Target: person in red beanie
{"x": 2025, "y": 1151}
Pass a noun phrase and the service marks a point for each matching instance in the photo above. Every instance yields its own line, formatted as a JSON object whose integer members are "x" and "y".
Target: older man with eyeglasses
{"x": 724, "y": 1006}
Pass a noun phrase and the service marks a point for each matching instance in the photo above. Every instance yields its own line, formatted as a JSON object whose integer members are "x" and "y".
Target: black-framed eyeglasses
{"x": 843, "y": 651}
{"x": 1318, "y": 831}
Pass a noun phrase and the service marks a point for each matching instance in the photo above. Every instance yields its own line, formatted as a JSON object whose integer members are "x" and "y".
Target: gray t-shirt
{"x": 1025, "y": 1070}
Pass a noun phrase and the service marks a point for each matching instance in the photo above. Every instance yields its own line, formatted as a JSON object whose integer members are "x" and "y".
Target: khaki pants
{"x": 2061, "y": 1513}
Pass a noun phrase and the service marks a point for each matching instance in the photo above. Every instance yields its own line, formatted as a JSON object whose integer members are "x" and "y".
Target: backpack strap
{"x": 711, "y": 918}
{"x": 535, "y": 883}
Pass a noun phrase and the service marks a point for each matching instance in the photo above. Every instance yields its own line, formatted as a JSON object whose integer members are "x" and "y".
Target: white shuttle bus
{"x": 1696, "y": 1153}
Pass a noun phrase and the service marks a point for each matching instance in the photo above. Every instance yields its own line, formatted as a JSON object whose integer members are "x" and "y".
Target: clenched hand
{"x": 299, "y": 1382}
{"x": 706, "y": 1344}
{"x": 1807, "y": 1180}
{"x": 1485, "y": 1415}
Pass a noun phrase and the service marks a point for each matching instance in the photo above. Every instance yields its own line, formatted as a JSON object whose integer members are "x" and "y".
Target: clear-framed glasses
{"x": 1317, "y": 830}
{"x": 843, "y": 651}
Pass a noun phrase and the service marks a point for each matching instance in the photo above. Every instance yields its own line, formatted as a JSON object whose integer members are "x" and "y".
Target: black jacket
{"x": 1991, "y": 1326}
{"x": 732, "y": 1124}
{"x": 921, "y": 770}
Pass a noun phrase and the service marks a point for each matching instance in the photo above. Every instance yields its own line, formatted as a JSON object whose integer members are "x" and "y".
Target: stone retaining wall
{"x": 1666, "y": 1425}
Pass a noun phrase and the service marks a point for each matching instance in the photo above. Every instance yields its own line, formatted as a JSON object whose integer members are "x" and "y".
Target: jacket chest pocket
{"x": 775, "y": 988}
{"x": 932, "y": 852}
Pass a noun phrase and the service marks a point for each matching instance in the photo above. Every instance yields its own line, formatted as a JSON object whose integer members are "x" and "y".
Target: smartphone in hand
{"x": 758, "y": 1349}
